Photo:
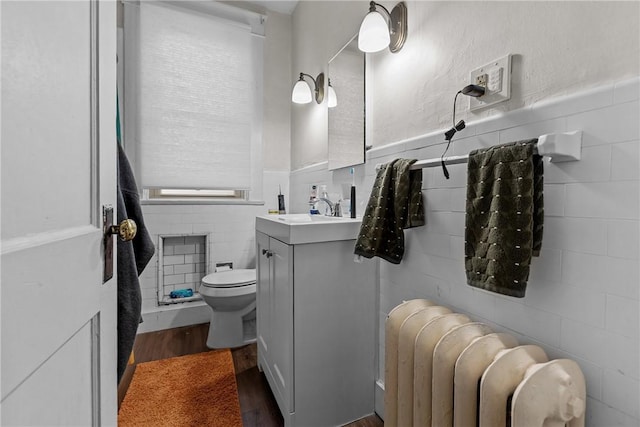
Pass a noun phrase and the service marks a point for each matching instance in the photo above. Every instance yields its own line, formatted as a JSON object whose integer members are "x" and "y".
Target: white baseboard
{"x": 379, "y": 399}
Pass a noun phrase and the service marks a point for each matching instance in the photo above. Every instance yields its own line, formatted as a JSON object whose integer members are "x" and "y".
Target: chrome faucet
{"x": 334, "y": 209}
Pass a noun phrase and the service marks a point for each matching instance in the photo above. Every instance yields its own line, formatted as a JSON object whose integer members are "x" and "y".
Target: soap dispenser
{"x": 325, "y": 195}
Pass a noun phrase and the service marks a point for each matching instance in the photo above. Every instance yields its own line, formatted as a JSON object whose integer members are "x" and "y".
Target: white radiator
{"x": 442, "y": 369}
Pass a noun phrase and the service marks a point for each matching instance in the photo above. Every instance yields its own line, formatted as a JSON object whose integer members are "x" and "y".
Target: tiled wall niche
{"x": 182, "y": 263}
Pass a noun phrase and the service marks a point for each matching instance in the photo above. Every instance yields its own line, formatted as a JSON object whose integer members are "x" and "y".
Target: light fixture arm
{"x": 318, "y": 84}
{"x": 308, "y": 75}
{"x": 372, "y": 8}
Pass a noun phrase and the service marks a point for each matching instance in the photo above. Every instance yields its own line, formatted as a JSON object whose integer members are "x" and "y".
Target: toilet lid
{"x": 230, "y": 278}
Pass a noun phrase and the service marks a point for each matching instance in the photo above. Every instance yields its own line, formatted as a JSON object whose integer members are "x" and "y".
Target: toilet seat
{"x": 230, "y": 283}
{"x": 228, "y": 292}
{"x": 230, "y": 278}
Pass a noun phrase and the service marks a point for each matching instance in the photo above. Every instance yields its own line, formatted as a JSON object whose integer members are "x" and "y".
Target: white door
{"x": 58, "y": 167}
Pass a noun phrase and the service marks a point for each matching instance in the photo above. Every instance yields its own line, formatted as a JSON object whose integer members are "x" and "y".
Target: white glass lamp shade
{"x": 301, "y": 93}
{"x": 374, "y": 33}
{"x": 333, "y": 99}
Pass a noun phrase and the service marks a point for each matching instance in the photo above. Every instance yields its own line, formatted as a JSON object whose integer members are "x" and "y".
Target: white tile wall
{"x": 231, "y": 231}
{"x": 624, "y": 362}
{"x": 582, "y": 300}
{"x": 622, "y": 239}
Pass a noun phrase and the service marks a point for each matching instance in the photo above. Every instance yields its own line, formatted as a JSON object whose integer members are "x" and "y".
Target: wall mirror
{"x": 346, "y": 74}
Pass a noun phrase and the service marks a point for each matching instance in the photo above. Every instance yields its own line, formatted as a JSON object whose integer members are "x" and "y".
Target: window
{"x": 193, "y": 99}
{"x": 174, "y": 193}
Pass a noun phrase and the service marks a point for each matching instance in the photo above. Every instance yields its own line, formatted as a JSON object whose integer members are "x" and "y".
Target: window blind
{"x": 196, "y": 97}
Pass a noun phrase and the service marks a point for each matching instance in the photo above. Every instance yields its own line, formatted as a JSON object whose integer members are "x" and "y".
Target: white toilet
{"x": 231, "y": 295}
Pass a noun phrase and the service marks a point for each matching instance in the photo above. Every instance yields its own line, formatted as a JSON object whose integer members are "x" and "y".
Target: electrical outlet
{"x": 496, "y": 76}
{"x": 481, "y": 80}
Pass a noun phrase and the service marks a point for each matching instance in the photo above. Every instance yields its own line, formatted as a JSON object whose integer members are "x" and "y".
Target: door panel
{"x": 58, "y": 293}
{"x": 43, "y": 385}
{"x": 58, "y": 321}
{"x": 46, "y": 83}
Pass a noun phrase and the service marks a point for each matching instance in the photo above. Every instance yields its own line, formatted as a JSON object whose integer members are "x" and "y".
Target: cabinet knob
{"x": 267, "y": 253}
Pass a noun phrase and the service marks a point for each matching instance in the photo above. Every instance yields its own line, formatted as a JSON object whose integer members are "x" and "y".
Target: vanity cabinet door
{"x": 281, "y": 351}
{"x": 263, "y": 293}
{"x": 275, "y": 317}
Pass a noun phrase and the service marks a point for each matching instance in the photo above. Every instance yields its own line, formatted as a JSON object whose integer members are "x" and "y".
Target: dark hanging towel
{"x": 395, "y": 204}
{"x": 504, "y": 216}
{"x": 133, "y": 256}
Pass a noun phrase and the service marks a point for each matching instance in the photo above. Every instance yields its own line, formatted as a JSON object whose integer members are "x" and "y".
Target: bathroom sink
{"x": 310, "y": 218}
{"x": 305, "y": 228}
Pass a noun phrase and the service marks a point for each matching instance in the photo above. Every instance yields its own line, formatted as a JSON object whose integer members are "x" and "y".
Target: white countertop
{"x": 296, "y": 229}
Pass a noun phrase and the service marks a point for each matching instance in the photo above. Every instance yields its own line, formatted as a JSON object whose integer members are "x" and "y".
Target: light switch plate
{"x": 499, "y": 84}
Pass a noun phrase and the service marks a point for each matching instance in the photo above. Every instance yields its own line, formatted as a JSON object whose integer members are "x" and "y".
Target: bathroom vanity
{"x": 317, "y": 313}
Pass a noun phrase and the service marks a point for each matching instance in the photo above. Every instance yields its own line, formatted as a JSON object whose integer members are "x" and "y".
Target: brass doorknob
{"x": 126, "y": 230}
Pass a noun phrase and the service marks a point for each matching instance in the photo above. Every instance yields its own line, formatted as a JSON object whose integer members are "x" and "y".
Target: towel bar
{"x": 560, "y": 147}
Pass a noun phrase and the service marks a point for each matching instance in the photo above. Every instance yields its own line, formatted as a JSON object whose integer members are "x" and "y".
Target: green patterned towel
{"x": 505, "y": 214}
{"x": 395, "y": 203}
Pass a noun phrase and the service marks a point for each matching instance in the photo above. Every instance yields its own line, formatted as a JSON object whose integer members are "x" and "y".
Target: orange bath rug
{"x": 195, "y": 390}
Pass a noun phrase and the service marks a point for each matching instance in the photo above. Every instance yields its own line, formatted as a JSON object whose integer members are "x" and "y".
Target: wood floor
{"x": 257, "y": 404}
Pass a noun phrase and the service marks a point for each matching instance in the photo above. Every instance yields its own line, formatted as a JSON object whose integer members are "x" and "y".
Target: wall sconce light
{"x": 333, "y": 99}
{"x": 376, "y": 33}
{"x": 301, "y": 93}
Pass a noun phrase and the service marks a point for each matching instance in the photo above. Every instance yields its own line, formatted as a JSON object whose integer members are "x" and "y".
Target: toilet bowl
{"x": 231, "y": 295}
